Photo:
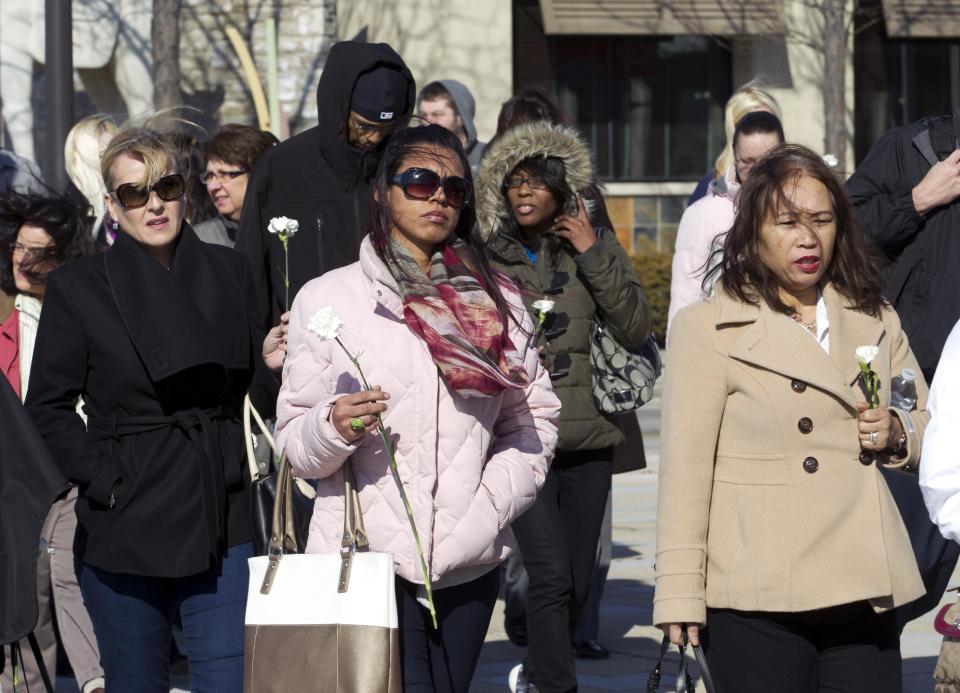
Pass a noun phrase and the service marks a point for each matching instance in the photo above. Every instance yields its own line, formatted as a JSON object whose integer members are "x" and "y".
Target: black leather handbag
{"x": 685, "y": 683}
{"x": 263, "y": 490}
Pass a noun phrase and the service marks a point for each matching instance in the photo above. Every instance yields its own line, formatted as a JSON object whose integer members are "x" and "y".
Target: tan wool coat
{"x": 766, "y": 500}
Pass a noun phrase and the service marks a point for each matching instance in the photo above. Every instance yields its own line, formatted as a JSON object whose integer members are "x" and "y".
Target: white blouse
{"x": 823, "y": 324}
{"x": 940, "y": 461}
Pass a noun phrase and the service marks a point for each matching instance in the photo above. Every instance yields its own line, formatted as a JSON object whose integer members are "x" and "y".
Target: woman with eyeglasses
{"x": 535, "y": 209}
{"x": 445, "y": 342}
{"x": 231, "y": 154}
{"x": 159, "y": 336}
{"x": 46, "y": 231}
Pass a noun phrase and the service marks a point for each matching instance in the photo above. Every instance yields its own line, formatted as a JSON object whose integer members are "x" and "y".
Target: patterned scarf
{"x": 454, "y": 314}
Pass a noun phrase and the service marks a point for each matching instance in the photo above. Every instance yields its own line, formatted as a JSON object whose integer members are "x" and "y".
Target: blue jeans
{"x": 133, "y": 618}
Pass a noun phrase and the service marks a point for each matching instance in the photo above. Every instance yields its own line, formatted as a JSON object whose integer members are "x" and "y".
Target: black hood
{"x": 345, "y": 63}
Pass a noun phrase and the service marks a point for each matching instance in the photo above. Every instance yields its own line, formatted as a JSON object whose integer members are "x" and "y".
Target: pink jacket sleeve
{"x": 312, "y": 444}
{"x": 524, "y": 436}
{"x": 692, "y": 249}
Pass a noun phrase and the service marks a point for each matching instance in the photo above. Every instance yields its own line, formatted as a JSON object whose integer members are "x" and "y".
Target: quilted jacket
{"x": 469, "y": 465}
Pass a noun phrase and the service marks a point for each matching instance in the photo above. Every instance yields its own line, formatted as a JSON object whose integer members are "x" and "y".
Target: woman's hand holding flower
{"x": 275, "y": 344}
{"x": 364, "y": 406}
{"x": 576, "y": 229}
{"x": 884, "y": 423}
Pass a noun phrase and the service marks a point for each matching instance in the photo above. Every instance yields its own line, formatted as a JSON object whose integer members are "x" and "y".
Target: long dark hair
{"x": 421, "y": 141}
{"x": 62, "y": 218}
{"x": 855, "y": 267}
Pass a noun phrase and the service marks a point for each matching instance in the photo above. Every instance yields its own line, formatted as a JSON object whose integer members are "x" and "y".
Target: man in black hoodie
{"x": 321, "y": 178}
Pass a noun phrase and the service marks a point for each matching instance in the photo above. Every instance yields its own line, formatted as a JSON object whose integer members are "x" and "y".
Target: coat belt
{"x": 200, "y": 427}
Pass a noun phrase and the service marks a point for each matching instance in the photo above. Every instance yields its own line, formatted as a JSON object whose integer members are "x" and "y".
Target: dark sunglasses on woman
{"x": 132, "y": 195}
{"x": 422, "y": 183}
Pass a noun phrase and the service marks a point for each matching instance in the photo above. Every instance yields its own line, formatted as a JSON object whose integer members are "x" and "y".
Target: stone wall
{"x": 212, "y": 78}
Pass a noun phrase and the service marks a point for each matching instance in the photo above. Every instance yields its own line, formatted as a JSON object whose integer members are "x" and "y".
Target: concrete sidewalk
{"x": 627, "y": 605}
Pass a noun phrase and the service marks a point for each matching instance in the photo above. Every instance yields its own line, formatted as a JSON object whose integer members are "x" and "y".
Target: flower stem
{"x": 395, "y": 473}
{"x": 286, "y": 275}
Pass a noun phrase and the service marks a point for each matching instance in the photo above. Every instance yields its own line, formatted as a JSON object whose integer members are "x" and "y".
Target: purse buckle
{"x": 346, "y": 563}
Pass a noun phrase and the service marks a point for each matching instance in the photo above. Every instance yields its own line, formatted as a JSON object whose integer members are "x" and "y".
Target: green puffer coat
{"x": 600, "y": 280}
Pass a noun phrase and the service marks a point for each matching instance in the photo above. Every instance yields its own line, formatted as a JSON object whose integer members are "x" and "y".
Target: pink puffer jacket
{"x": 469, "y": 465}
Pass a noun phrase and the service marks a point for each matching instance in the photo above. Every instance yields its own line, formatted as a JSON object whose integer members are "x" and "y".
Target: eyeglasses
{"x": 422, "y": 183}
{"x": 133, "y": 195}
{"x": 514, "y": 182}
{"x": 372, "y": 128}
{"x": 34, "y": 254}
{"x": 222, "y": 176}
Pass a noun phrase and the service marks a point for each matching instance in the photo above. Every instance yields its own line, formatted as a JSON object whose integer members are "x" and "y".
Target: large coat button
{"x": 866, "y": 458}
{"x": 805, "y": 424}
{"x": 810, "y": 465}
{"x": 798, "y": 385}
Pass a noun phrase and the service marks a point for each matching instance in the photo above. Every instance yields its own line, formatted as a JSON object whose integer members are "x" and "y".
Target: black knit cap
{"x": 380, "y": 95}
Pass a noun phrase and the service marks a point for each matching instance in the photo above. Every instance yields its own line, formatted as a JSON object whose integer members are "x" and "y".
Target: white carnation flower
{"x": 325, "y": 323}
{"x": 279, "y": 224}
{"x": 544, "y": 305}
{"x": 866, "y": 354}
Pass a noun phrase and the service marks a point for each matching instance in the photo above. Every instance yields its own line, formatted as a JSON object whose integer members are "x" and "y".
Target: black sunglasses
{"x": 422, "y": 183}
{"x": 133, "y": 195}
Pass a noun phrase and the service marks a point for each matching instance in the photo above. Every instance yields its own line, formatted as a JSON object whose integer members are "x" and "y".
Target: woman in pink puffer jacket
{"x": 468, "y": 404}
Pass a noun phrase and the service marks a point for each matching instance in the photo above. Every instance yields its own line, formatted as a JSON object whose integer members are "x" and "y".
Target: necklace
{"x": 811, "y": 327}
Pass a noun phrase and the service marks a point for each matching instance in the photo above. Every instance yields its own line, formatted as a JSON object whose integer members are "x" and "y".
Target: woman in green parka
{"x": 535, "y": 198}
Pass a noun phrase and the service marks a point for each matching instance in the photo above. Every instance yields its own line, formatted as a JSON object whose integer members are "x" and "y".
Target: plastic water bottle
{"x": 903, "y": 390}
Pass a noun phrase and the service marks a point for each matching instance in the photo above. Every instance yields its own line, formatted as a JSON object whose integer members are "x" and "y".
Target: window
{"x": 900, "y": 81}
{"x": 650, "y": 106}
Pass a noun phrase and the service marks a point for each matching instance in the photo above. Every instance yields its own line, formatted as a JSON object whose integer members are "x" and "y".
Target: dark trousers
{"x": 558, "y": 537}
{"x": 443, "y": 660}
{"x": 843, "y": 649}
{"x": 133, "y": 618}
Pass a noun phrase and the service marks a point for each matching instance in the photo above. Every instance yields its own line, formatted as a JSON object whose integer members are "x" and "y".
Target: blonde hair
{"x": 156, "y": 140}
{"x": 752, "y": 96}
{"x": 81, "y": 154}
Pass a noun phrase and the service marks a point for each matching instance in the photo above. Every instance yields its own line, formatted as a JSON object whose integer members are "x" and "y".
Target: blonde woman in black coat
{"x": 159, "y": 335}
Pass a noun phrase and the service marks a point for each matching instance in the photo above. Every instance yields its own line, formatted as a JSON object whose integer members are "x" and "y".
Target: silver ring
{"x": 874, "y": 438}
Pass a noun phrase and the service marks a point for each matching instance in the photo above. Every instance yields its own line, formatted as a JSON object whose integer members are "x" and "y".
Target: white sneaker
{"x": 517, "y": 681}
{"x": 513, "y": 676}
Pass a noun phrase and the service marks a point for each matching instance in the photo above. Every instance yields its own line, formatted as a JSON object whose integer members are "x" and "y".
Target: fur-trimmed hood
{"x": 526, "y": 141}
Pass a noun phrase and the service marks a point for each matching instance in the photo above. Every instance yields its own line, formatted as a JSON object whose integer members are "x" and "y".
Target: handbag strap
{"x": 704, "y": 670}
{"x": 248, "y": 439}
{"x": 685, "y": 683}
{"x": 250, "y": 411}
{"x": 283, "y": 537}
{"x": 354, "y": 533}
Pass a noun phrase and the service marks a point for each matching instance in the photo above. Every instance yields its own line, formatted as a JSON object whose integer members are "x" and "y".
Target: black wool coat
{"x": 162, "y": 360}
{"x": 29, "y": 483}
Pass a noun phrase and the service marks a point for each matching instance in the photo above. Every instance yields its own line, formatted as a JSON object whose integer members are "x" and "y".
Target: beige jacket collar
{"x": 769, "y": 342}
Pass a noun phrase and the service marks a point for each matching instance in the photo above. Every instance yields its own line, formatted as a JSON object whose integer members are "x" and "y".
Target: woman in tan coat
{"x": 776, "y": 529}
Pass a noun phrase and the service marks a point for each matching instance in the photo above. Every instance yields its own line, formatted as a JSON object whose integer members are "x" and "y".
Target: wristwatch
{"x": 900, "y": 449}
